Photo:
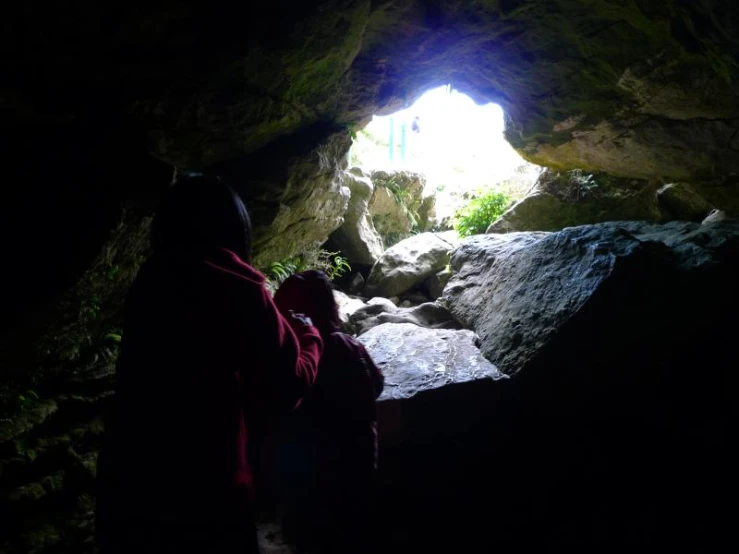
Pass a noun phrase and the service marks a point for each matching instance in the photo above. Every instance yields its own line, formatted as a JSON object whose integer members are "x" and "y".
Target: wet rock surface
{"x": 416, "y": 359}
{"x": 617, "y": 337}
{"x": 523, "y": 292}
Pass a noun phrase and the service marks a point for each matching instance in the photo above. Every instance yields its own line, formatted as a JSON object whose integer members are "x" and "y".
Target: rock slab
{"x": 415, "y": 359}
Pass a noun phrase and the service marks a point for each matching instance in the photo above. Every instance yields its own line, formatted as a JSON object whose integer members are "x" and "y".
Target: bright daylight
{"x": 455, "y": 144}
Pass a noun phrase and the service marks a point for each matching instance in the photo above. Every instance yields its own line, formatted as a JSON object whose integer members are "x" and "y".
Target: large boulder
{"x": 399, "y": 206}
{"x": 568, "y": 199}
{"x": 407, "y": 185}
{"x": 414, "y": 359}
{"x": 421, "y": 368}
{"x": 529, "y": 293}
{"x": 297, "y": 202}
{"x": 357, "y": 238}
{"x": 619, "y": 338}
{"x": 409, "y": 263}
{"x": 439, "y": 392}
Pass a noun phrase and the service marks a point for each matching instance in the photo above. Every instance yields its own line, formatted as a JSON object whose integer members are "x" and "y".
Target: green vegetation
{"x": 477, "y": 216}
{"x": 580, "y": 186}
{"x": 331, "y": 263}
{"x": 27, "y": 400}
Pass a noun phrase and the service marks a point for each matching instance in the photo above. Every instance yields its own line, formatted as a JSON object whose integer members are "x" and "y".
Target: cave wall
{"x": 100, "y": 101}
{"x": 639, "y": 89}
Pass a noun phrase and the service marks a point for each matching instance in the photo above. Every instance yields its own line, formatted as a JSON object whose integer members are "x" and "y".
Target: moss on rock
{"x": 570, "y": 199}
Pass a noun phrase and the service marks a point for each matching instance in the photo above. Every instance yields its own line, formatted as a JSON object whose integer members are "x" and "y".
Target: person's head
{"x": 310, "y": 293}
{"x": 198, "y": 214}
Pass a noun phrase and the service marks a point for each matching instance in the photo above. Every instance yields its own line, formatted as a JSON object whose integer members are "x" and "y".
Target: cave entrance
{"x": 457, "y": 145}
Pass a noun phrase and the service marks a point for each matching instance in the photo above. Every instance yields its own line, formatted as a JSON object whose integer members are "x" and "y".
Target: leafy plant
{"x": 339, "y": 266}
{"x": 331, "y": 263}
{"x": 581, "y": 184}
{"x": 572, "y": 186}
{"x": 279, "y": 271}
{"x": 476, "y": 217}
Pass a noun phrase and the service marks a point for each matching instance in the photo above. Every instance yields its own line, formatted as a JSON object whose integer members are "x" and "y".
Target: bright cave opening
{"x": 455, "y": 144}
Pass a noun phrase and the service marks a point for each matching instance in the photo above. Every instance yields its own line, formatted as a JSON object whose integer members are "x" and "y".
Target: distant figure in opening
{"x": 416, "y": 125}
{"x": 329, "y": 454}
{"x": 206, "y": 360}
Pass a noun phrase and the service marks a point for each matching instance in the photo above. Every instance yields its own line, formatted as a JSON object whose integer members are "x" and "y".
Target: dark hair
{"x": 311, "y": 293}
{"x": 198, "y": 214}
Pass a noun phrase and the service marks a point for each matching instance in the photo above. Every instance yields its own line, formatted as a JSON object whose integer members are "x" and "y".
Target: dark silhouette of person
{"x": 416, "y": 125}
{"x": 206, "y": 358}
{"x": 329, "y": 458}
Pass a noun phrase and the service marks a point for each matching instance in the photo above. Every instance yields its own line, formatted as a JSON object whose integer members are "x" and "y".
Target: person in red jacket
{"x": 206, "y": 358}
{"x": 329, "y": 457}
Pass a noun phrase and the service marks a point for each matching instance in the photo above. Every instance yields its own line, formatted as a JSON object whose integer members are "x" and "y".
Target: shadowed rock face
{"x": 99, "y": 101}
{"x": 586, "y": 85}
{"x": 357, "y": 238}
{"x": 618, "y": 414}
{"x": 638, "y": 89}
{"x": 534, "y": 294}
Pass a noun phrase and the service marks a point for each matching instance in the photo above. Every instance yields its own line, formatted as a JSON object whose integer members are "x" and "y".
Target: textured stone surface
{"x": 48, "y": 471}
{"x": 427, "y": 314}
{"x": 568, "y": 199}
{"x": 409, "y": 263}
{"x": 662, "y": 73}
{"x": 627, "y": 87}
{"x": 635, "y": 88}
{"x": 414, "y": 359}
{"x": 388, "y": 214}
{"x": 645, "y": 147}
{"x": 529, "y": 295}
{"x": 619, "y": 340}
{"x": 293, "y": 190}
{"x": 357, "y": 238}
{"x": 399, "y": 206}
